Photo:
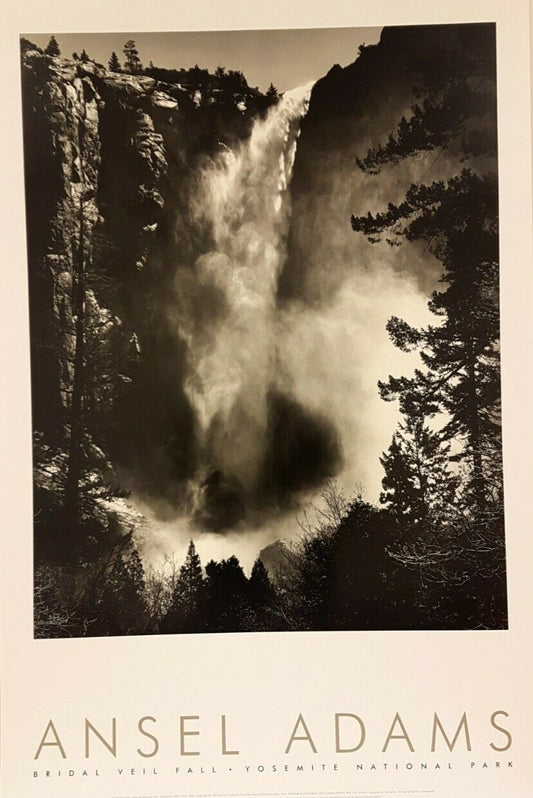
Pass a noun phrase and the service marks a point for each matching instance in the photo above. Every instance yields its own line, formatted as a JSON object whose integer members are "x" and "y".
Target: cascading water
{"x": 227, "y": 315}
{"x": 283, "y": 393}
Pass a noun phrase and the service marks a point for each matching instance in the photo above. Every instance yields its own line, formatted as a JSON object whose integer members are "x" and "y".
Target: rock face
{"x": 111, "y": 160}
{"x": 352, "y": 109}
{"x": 107, "y": 157}
{"x": 67, "y": 110}
{"x": 62, "y": 150}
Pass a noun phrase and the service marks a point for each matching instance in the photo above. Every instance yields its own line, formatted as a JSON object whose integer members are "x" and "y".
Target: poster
{"x": 391, "y": 707}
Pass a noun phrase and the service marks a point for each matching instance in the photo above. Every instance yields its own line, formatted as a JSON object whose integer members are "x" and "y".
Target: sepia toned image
{"x": 264, "y": 323}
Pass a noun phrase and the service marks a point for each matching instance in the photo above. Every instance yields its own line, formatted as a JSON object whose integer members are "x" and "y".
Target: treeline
{"x": 114, "y": 595}
{"x": 224, "y": 85}
{"x": 352, "y": 568}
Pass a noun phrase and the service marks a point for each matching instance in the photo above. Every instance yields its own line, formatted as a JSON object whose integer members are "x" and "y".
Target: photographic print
{"x": 267, "y": 333}
{"x": 265, "y": 330}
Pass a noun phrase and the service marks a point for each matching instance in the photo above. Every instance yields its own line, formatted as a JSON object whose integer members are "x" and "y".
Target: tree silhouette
{"x": 114, "y": 63}
{"x": 27, "y": 45}
{"x": 260, "y": 585}
{"x": 399, "y": 494}
{"x": 117, "y": 606}
{"x": 132, "y": 63}
{"x": 52, "y": 48}
{"x": 417, "y": 482}
{"x": 262, "y": 596}
{"x": 228, "y": 608}
{"x": 458, "y": 220}
{"x": 186, "y": 610}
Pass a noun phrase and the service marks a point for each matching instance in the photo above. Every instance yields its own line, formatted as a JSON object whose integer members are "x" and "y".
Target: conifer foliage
{"x": 114, "y": 63}
{"x": 223, "y": 599}
{"x": 418, "y": 482}
{"x": 52, "y": 48}
{"x": 132, "y": 62}
{"x": 187, "y": 600}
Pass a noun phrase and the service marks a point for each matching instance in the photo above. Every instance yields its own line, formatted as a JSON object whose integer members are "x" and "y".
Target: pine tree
{"x": 190, "y": 579}
{"x": 52, "y": 48}
{"x": 114, "y": 63}
{"x": 262, "y": 597}
{"x": 457, "y": 221}
{"x": 418, "y": 486}
{"x": 228, "y": 608}
{"x": 124, "y": 595}
{"x": 186, "y": 611}
{"x": 399, "y": 493}
{"x": 460, "y": 355}
{"x": 260, "y": 585}
{"x": 132, "y": 63}
{"x": 113, "y": 599}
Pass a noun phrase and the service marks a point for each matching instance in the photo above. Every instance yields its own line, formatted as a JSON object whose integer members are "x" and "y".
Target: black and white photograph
{"x": 263, "y": 275}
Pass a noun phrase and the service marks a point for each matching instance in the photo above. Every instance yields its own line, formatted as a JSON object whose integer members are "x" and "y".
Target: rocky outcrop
{"x": 62, "y": 151}
{"x": 64, "y": 102}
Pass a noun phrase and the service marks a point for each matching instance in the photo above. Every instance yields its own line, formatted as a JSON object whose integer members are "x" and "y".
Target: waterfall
{"x": 227, "y": 313}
